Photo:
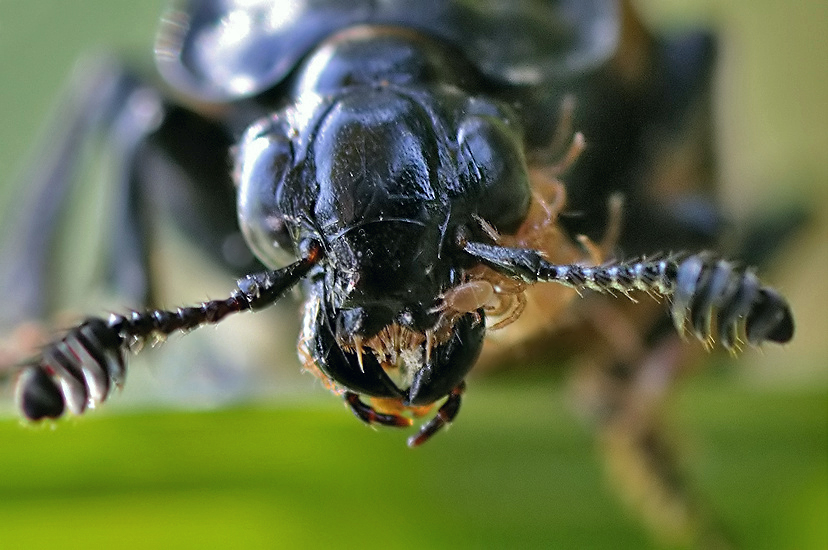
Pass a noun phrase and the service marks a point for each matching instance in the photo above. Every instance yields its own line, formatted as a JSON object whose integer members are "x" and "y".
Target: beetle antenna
{"x": 709, "y": 295}
{"x": 79, "y": 369}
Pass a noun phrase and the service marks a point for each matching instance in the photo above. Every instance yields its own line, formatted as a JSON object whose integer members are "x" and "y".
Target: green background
{"x": 518, "y": 469}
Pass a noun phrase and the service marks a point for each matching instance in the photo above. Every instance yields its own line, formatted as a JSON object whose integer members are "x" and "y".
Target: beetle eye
{"x": 261, "y": 166}
{"x": 492, "y": 160}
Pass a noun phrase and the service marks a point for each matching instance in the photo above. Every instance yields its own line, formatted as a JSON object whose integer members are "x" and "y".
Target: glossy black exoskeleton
{"x": 387, "y": 148}
{"x": 402, "y": 153}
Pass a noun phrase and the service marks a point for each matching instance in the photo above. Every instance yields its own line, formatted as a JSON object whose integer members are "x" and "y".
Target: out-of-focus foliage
{"x": 517, "y": 472}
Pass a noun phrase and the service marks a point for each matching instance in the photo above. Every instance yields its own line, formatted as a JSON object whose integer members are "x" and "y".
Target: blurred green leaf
{"x": 517, "y": 470}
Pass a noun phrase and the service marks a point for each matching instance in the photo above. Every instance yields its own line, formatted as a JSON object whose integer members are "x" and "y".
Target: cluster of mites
{"x": 712, "y": 297}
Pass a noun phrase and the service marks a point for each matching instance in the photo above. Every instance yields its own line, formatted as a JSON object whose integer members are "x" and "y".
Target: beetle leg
{"x": 154, "y": 164}
{"x": 445, "y": 415}
{"x": 640, "y": 456}
{"x": 187, "y": 179}
{"x": 563, "y": 131}
{"x": 137, "y": 112}
{"x": 97, "y": 101}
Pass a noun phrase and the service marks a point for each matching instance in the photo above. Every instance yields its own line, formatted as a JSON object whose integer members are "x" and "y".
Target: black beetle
{"x": 406, "y": 158}
{"x": 386, "y": 147}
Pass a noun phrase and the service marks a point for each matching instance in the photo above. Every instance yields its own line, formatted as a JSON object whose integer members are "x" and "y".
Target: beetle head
{"x": 384, "y": 178}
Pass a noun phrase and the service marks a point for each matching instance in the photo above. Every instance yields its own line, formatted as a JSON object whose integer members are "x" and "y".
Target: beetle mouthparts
{"x": 401, "y": 351}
